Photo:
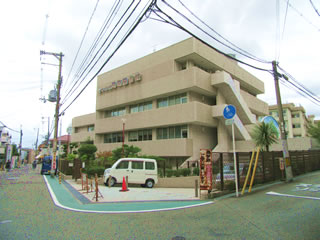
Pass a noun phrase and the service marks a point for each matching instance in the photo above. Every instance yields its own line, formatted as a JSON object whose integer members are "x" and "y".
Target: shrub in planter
{"x": 177, "y": 173}
{"x": 169, "y": 172}
{"x": 186, "y": 172}
{"x": 195, "y": 171}
{"x": 92, "y": 170}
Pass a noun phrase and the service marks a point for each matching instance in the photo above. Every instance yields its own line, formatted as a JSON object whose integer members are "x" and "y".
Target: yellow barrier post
{"x": 248, "y": 173}
{"x": 254, "y": 170}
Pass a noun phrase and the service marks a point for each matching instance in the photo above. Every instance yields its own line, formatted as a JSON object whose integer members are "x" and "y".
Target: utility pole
{"x": 20, "y": 146}
{"x": 56, "y": 116}
{"x": 286, "y": 156}
{"x": 37, "y": 143}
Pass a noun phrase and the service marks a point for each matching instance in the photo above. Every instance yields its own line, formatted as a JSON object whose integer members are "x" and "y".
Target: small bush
{"x": 195, "y": 171}
{"x": 186, "y": 172}
{"x": 91, "y": 171}
{"x": 177, "y": 172}
{"x": 169, "y": 172}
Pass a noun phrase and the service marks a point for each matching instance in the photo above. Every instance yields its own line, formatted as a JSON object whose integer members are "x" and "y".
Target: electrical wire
{"x": 224, "y": 44}
{"x": 198, "y": 38}
{"x": 301, "y": 15}
{"x": 134, "y": 26}
{"x": 283, "y": 29}
{"x": 301, "y": 86}
{"x": 314, "y": 7}
{"x": 240, "y": 49}
{"x": 84, "y": 35}
{"x": 74, "y": 87}
{"x": 108, "y": 20}
{"x": 4, "y": 125}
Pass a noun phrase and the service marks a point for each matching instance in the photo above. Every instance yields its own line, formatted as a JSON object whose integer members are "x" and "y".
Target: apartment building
{"x": 170, "y": 103}
{"x": 296, "y": 120}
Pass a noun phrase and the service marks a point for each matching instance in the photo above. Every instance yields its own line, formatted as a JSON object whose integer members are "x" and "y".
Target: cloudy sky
{"x": 268, "y": 30}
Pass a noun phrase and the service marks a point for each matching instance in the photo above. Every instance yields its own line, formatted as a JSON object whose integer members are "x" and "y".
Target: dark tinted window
{"x": 123, "y": 165}
{"x": 150, "y": 166}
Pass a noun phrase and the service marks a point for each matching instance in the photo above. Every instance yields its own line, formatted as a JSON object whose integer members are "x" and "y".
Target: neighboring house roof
{"x": 64, "y": 138}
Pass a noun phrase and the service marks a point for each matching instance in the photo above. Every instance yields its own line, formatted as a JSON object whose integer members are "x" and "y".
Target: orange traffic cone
{"x": 124, "y": 186}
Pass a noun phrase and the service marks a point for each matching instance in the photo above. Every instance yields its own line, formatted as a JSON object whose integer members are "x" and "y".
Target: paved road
{"x": 27, "y": 212}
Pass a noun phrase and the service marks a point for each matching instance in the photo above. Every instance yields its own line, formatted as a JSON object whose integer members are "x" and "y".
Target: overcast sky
{"x": 253, "y": 25}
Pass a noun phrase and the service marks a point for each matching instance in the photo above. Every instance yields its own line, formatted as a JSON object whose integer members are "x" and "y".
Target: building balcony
{"x": 182, "y": 147}
{"x": 193, "y": 79}
{"x": 187, "y": 113}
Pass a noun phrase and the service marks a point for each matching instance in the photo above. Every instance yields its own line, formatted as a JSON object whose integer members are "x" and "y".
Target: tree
{"x": 15, "y": 151}
{"x": 264, "y": 135}
{"x": 314, "y": 131}
{"x": 87, "y": 152}
{"x": 129, "y": 151}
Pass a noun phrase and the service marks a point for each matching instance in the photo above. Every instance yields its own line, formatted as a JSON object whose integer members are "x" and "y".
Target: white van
{"x": 139, "y": 171}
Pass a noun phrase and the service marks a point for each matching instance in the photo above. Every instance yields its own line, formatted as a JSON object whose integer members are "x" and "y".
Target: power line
{"x": 9, "y": 128}
{"x": 84, "y": 35}
{"x": 301, "y": 15}
{"x": 134, "y": 25}
{"x": 314, "y": 7}
{"x": 193, "y": 35}
{"x": 244, "y": 51}
{"x": 104, "y": 27}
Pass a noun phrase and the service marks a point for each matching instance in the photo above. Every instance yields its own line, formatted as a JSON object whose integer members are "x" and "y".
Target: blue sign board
{"x": 229, "y": 112}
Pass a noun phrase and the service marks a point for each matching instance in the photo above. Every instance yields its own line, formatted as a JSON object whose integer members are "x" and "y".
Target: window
{"x": 137, "y": 165}
{"x": 123, "y": 165}
{"x": 173, "y": 100}
{"x": 296, "y": 125}
{"x": 150, "y": 166}
{"x": 113, "y": 137}
{"x": 115, "y": 112}
{"x": 91, "y": 128}
{"x": 140, "y": 135}
{"x": 141, "y": 107}
{"x": 172, "y": 132}
{"x": 296, "y": 115}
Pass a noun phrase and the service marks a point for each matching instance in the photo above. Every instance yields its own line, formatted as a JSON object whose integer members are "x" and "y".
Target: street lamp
{"x": 123, "y": 126}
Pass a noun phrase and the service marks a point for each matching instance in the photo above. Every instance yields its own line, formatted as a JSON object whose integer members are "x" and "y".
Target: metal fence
{"x": 268, "y": 167}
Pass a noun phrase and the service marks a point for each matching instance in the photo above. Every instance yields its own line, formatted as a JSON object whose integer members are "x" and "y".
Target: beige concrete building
{"x": 171, "y": 103}
{"x": 296, "y": 120}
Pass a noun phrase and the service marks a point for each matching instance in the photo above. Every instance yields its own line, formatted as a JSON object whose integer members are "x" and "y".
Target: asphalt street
{"x": 276, "y": 211}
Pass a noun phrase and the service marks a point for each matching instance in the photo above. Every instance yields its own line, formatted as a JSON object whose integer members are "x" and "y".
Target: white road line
{"x": 294, "y": 196}
{"x": 6, "y": 221}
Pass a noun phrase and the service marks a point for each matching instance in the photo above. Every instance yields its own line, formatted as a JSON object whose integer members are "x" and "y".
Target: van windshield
{"x": 123, "y": 165}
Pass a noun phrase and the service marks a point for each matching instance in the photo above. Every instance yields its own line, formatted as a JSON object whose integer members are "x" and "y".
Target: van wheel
{"x": 149, "y": 183}
{"x": 112, "y": 182}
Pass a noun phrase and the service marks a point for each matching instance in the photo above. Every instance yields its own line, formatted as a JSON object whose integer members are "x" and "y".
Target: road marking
{"x": 5, "y": 221}
{"x": 289, "y": 195}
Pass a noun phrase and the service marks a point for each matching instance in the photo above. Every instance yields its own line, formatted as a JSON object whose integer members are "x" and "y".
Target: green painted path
{"x": 63, "y": 198}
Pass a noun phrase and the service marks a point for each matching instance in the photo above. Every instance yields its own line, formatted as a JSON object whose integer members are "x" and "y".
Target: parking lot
{"x": 134, "y": 193}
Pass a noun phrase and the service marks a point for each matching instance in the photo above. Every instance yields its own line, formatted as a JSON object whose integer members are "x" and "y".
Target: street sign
{"x": 229, "y": 112}
{"x": 229, "y": 121}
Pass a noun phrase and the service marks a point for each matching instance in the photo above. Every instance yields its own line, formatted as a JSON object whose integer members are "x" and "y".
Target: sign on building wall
{"x": 205, "y": 169}
{"x": 137, "y": 77}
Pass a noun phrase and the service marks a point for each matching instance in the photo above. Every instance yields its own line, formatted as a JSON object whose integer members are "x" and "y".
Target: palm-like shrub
{"x": 264, "y": 135}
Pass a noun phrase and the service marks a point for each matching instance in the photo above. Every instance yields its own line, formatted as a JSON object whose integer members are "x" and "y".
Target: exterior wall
{"x": 210, "y": 82}
{"x": 294, "y": 144}
{"x": 295, "y": 119}
{"x": 80, "y": 126}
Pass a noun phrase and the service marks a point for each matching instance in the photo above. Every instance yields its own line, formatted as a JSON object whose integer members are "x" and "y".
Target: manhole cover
{"x": 178, "y": 238}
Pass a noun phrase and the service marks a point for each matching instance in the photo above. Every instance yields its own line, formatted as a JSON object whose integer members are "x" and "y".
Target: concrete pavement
{"x": 27, "y": 212}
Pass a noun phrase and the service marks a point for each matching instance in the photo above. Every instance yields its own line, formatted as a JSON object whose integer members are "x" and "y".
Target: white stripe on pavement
{"x": 294, "y": 196}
